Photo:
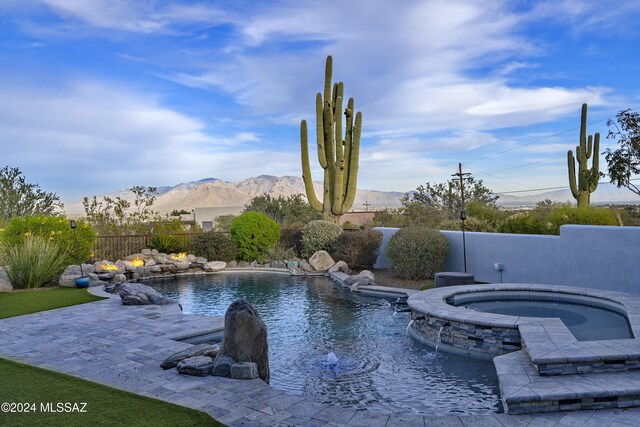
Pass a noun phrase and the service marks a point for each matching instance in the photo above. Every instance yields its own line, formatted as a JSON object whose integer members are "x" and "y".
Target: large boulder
{"x": 215, "y": 266}
{"x": 69, "y": 276}
{"x": 139, "y": 294}
{"x": 245, "y": 337}
{"x": 5, "y": 283}
{"x": 364, "y": 278}
{"x": 321, "y": 261}
{"x": 193, "y": 351}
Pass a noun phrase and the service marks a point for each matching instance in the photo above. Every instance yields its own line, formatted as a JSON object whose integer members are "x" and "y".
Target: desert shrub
{"x": 417, "y": 252}
{"x": 279, "y": 252}
{"x": 524, "y": 223}
{"x": 166, "y": 243}
{"x": 214, "y": 246}
{"x": 359, "y": 249}
{"x": 292, "y": 238}
{"x": 34, "y": 261}
{"x": 566, "y": 214}
{"x": 55, "y": 229}
{"x": 348, "y": 225}
{"x": 253, "y": 233}
{"x": 470, "y": 224}
{"x": 319, "y": 235}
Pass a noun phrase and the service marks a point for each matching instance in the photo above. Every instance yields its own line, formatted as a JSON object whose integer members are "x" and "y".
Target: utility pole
{"x": 366, "y": 205}
{"x": 463, "y": 215}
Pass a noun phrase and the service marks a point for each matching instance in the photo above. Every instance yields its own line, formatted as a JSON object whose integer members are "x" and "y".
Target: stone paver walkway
{"x": 123, "y": 346}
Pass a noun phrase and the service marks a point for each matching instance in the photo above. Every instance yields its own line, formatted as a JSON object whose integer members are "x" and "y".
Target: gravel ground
{"x": 385, "y": 277}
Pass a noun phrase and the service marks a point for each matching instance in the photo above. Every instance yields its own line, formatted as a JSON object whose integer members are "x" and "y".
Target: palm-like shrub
{"x": 33, "y": 262}
{"x": 214, "y": 246}
{"x": 417, "y": 252}
{"x": 253, "y": 233}
{"x": 359, "y": 249}
{"x": 166, "y": 243}
{"x": 319, "y": 235}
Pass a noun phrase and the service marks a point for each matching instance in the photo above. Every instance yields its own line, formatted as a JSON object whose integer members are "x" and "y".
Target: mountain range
{"x": 212, "y": 192}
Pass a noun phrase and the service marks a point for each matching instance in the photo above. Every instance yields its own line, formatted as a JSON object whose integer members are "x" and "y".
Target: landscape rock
{"x": 134, "y": 256}
{"x": 201, "y": 260}
{"x": 69, "y": 276}
{"x": 293, "y": 264}
{"x": 222, "y": 366}
{"x": 142, "y": 273}
{"x": 305, "y": 266}
{"x": 245, "y": 337}
{"x": 5, "y": 283}
{"x": 243, "y": 264}
{"x": 138, "y": 294}
{"x": 244, "y": 371}
{"x": 321, "y": 261}
{"x": 215, "y": 266}
{"x": 364, "y": 278}
{"x": 183, "y": 265}
{"x": 273, "y": 264}
{"x": 281, "y": 264}
{"x": 146, "y": 252}
{"x": 198, "y": 365}
{"x": 254, "y": 263}
{"x": 154, "y": 252}
{"x": 339, "y": 266}
{"x": 119, "y": 278}
{"x": 88, "y": 268}
{"x": 232, "y": 264}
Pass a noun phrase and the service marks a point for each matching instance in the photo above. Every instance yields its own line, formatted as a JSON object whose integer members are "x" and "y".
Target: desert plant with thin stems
{"x": 33, "y": 262}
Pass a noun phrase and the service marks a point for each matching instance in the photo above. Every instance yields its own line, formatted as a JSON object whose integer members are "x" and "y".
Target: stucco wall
{"x": 589, "y": 256}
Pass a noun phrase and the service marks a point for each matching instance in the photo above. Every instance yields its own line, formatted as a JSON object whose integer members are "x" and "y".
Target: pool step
{"x": 524, "y": 391}
{"x": 553, "y": 350}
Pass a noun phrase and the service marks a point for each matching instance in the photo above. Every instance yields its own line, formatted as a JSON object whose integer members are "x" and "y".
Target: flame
{"x": 181, "y": 255}
{"x": 108, "y": 267}
{"x": 137, "y": 262}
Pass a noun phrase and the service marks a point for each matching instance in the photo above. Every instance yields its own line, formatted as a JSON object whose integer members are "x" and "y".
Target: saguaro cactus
{"x": 587, "y": 178}
{"x": 337, "y": 156}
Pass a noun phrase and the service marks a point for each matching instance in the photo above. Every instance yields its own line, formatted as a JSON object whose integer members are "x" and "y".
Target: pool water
{"x": 586, "y": 323}
{"x": 332, "y": 346}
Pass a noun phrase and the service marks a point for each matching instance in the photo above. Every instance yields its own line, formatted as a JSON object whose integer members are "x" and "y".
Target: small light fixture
{"x": 463, "y": 215}
{"x": 72, "y": 224}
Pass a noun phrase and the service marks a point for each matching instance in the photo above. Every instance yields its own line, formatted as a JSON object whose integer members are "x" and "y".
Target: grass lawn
{"x": 105, "y": 406}
{"x": 32, "y": 301}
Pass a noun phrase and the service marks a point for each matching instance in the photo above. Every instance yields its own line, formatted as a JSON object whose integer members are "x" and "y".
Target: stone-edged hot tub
{"x": 544, "y": 364}
{"x": 483, "y": 321}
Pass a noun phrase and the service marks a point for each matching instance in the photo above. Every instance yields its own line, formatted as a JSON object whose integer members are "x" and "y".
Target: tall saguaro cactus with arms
{"x": 337, "y": 156}
{"x": 587, "y": 178}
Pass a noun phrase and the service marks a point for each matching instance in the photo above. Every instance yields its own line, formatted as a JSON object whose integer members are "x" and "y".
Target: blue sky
{"x": 99, "y": 95}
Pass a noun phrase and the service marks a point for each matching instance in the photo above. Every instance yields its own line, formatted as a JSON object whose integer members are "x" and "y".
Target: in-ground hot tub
{"x": 483, "y": 321}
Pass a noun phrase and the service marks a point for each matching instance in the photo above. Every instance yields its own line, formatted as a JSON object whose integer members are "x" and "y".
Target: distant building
{"x": 206, "y": 217}
{"x": 358, "y": 218}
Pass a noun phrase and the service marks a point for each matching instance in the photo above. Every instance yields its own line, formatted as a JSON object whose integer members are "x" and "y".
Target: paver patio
{"x": 123, "y": 346}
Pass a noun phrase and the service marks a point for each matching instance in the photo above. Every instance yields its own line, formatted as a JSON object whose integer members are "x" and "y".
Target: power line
{"x": 539, "y": 140}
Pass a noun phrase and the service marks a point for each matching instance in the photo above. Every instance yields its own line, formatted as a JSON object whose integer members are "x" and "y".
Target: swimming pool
{"x": 333, "y": 346}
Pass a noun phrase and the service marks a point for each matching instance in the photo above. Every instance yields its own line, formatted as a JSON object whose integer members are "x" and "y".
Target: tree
{"x": 446, "y": 195}
{"x": 19, "y": 198}
{"x": 624, "y": 162}
{"x": 113, "y": 215}
{"x": 293, "y": 211}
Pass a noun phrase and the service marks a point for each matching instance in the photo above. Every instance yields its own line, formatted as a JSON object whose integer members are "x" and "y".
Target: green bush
{"x": 359, "y": 249}
{"x": 417, "y": 252}
{"x": 214, "y": 246}
{"x": 470, "y": 224}
{"x": 55, "y": 229}
{"x": 525, "y": 223}
{"x": 319, "y": 235}
{"x": 166, "y": 243}
{"x": 34, "y": 261}
{"x": 253, "y": 233}
{"x": 292, "y": 238}
{"x": 566, "y": 214}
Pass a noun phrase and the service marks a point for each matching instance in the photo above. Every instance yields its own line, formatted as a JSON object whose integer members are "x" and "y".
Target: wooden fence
{"x": 113, "y": 248}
